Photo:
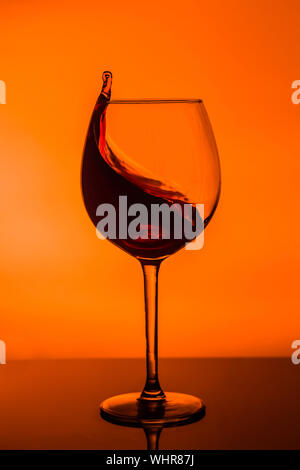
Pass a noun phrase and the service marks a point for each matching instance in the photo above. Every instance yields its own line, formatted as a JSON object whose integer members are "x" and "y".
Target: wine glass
{"x": 149, "y": 153}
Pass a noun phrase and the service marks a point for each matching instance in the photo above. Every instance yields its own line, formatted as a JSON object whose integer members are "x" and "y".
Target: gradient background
{"x": 64, "y": 293}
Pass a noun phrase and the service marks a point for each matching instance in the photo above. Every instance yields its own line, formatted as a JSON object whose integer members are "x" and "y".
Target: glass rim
{"x": 155, "y": 101}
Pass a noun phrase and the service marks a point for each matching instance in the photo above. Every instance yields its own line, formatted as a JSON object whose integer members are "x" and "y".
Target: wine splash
{"x": 108, "y": 173}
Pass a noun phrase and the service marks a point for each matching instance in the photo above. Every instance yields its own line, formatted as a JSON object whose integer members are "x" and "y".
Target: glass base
{"x": 174, "y": 410}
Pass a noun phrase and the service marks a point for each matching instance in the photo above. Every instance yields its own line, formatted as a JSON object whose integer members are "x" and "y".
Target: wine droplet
{"x": 107, "y": 81}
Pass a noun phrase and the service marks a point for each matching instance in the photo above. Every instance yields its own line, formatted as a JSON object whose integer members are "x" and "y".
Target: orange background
{"x": 67, "y": 294}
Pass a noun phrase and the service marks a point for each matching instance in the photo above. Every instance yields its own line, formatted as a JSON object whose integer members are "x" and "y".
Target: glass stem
{"x": 152, "y": 389}
{"x": 152, "y": 436}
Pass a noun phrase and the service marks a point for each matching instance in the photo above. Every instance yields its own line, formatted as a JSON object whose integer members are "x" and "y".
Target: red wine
{"x": 101, "y": 183}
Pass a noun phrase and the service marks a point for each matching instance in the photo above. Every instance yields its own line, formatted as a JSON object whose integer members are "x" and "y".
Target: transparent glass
{"x": 151, "y": 151}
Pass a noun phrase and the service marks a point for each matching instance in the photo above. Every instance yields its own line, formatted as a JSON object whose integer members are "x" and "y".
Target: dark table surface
{"x": 54, "y": 404}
